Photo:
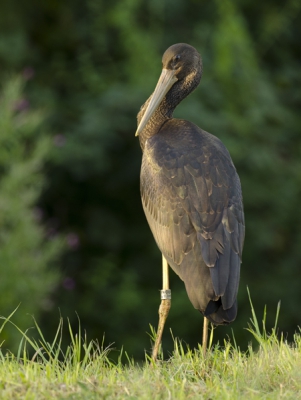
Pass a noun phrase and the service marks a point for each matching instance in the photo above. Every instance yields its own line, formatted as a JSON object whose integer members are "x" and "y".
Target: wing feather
{"x": 192, "y": 199}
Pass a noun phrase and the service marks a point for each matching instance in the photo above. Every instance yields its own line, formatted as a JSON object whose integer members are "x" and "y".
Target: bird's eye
{"x": 177, "y": 57}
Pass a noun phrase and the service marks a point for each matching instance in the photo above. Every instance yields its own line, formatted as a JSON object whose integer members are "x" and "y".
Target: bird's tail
{"x": 218, "y": 315}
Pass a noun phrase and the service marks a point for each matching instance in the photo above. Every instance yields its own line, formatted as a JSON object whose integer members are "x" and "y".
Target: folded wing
{"x": 192, "y": 199}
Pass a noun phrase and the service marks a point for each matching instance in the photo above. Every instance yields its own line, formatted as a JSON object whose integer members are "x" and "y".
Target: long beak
{"x": 165, "y": 82}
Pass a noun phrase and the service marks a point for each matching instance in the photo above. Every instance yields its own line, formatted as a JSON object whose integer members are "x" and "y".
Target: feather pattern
{"x": 192, "y": 200}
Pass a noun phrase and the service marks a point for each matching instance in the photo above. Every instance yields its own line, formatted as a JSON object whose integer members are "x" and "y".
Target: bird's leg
{"x": 205, "y": 335}
{"x": 163, "y": 309}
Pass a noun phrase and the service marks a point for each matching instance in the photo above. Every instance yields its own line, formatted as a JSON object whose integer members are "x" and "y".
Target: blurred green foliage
{"x": 25, "y": 251}
{"x": 92, "y": 64}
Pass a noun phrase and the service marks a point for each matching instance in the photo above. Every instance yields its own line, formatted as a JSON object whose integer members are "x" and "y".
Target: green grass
{"x": 84, "y": 370}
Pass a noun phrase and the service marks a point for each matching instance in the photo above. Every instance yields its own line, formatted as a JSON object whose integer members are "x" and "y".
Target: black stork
{"x": 191, "y": 196}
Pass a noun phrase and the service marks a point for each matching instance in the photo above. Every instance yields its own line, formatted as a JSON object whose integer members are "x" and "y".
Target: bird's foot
{"x": 163, "y": 313}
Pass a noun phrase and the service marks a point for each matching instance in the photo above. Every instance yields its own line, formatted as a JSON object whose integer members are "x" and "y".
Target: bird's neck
{"x": 160, "y": 116}
{"x": 164, "y": 112}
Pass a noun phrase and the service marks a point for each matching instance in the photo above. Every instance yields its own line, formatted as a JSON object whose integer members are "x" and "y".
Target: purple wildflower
{"x": 69, "y": 283}
{"x": 73, "y": 240}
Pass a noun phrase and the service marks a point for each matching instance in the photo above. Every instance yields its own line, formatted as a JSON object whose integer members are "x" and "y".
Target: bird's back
{"x": 192, "y": 199}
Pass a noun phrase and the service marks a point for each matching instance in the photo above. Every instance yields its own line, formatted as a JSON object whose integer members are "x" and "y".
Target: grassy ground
{"x": 84, "y": 371}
